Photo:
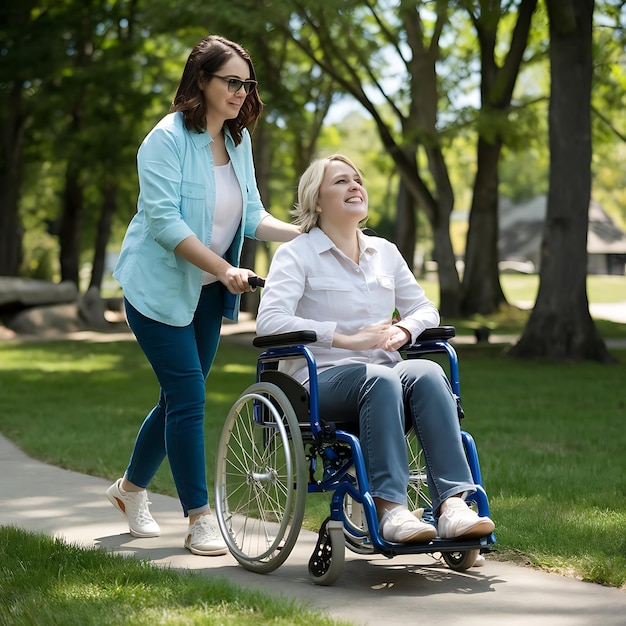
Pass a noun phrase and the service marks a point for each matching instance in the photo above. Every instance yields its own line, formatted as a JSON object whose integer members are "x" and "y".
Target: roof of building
{"x": 521, "y": 228}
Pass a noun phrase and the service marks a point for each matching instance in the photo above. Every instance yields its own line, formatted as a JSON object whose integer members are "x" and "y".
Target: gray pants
{"x": 375, "y": 397}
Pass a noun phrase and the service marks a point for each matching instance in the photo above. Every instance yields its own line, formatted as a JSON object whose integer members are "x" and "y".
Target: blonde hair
{"x": 305, "y": 210}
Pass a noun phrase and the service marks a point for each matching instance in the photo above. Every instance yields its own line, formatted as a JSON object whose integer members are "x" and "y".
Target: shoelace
{"x": 204, "y": 530}
{"x": 141, "y": 513}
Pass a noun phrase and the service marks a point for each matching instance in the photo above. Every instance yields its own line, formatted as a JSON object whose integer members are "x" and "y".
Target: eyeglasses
{"x": 234, "y": 84}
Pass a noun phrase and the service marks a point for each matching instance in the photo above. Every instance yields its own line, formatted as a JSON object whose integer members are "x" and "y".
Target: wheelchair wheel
{"x": 355, "y": 527}
{"x": 326, "y": 562}
{"x": 260, "y": 478}
{"x": 460, "y": 561}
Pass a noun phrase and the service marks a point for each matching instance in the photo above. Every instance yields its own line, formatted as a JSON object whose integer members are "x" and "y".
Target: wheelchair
{"x": 275, "y": 448}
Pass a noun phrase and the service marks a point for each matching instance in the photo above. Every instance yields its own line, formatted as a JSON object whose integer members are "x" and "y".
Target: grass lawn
{"x": 523, "y": 288}
{"x": 551, "y": 440}
{"x": 47, "y": 582}
{"x": 550, "y": 437}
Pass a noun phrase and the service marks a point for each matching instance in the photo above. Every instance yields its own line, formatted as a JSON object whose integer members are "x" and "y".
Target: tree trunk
{"x": 560, "y": 326}
{"x": 11, "y": 231}
{"x": 443, "y": 254}
{"x": 71, "y": 224}
{"x": 481, "y": 290}
{"x": 421, "y": 124}
{"x": 405, "y": 228}
{"x": 109, "y": 205}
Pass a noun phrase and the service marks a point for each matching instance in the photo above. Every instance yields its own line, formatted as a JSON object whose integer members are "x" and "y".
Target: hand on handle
{"x": 256, "y": 281}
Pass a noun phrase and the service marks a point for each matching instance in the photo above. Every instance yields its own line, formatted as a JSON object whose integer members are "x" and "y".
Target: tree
{"x": 481, "y": 290}
{"x": 24, "y": 65}
{"x": 103, "y": 106}
{"x": 560, "y": 326}
{"x": 71, "y": 74}
{"x": 345, "y": 40}
{"x": 359, "y": 45}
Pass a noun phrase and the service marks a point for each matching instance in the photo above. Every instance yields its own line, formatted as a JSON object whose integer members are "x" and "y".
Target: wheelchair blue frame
{"x": 340, "y": 480}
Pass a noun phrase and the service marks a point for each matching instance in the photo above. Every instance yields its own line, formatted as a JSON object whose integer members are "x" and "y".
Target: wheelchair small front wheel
{"x": 260, "y": 478}
{"x": 326, "y": 562}
{"x": 460, "y": 561}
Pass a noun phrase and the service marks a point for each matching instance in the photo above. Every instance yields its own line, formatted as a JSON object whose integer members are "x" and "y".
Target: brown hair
{"x": 208, "y": 56}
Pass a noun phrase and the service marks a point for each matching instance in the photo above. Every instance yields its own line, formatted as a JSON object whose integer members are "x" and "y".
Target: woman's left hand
{"x": 397, "y": 337}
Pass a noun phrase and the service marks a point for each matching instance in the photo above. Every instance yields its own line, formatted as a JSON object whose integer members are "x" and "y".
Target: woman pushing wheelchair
{"x": 346, "y": 286}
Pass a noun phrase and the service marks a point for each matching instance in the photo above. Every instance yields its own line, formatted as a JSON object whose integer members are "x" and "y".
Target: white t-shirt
{"x": 228, "y": 212}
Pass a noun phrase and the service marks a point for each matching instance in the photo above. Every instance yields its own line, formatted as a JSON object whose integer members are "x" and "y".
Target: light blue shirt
{"x": 176, "y": 200}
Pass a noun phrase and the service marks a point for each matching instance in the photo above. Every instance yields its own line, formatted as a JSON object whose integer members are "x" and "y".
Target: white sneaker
{"x": 399, "y": 525}
{"x": 204, "y": 537}
{"x": 134, "y": 504}
{"x": 458, "y": 521}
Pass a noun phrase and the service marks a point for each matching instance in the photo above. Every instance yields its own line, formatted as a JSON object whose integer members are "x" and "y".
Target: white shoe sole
{"x": 215, "y": 552}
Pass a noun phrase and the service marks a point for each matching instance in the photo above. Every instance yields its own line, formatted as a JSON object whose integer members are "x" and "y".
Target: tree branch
{"x": 608, "y": 122}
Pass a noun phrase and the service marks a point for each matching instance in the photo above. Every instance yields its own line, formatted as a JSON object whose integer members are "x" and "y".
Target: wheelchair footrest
{"x": 438, "y": 545}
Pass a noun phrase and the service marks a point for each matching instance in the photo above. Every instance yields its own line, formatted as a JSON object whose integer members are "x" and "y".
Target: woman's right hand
{"x": 235, "y": 279}
{"x": 365, "y": 339}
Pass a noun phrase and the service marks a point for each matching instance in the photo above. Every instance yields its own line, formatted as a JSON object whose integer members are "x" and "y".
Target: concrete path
{"x": 371, "y": 590}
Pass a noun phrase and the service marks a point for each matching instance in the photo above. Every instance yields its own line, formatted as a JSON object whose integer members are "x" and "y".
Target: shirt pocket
{"x": 193, "y": 196}
{"x": 165, "y": 298}
{"x": 386, "y": 281}
{"x": 326, "y": 283}
{"x": 327, "y": 298}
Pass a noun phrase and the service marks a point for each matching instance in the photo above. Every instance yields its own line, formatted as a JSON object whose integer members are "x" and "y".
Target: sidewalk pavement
{"x": 371, "y": 590}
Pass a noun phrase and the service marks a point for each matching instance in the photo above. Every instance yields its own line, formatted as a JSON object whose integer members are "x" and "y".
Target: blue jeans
{"x": 181, "y": 358}
{"x": 377, "y": 398}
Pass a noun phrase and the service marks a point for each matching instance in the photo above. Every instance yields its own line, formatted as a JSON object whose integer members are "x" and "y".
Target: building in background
{"x": 521, "y": 227}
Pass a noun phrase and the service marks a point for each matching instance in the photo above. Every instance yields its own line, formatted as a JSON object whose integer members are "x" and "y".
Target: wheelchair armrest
{"x": 298, "y": 337}
{"x": 438, "y": 333}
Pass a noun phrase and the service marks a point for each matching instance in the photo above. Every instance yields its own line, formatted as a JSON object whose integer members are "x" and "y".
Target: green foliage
{"x": 609, "y": 97}
{"x": 95, "y": 78}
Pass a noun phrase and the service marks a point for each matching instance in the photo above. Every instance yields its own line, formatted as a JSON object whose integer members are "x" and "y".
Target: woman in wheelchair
{"x": 346, "y": 286}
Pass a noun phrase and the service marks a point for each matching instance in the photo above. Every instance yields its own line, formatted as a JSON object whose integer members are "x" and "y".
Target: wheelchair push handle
{"x": 256, "y": 281}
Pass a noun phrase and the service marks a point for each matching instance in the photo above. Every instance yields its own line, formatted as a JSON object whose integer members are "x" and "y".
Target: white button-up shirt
{"x": 312, "y": 285}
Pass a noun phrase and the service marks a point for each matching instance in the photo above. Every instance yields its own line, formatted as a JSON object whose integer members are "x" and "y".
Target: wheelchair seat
{"x": 298, "y": 396}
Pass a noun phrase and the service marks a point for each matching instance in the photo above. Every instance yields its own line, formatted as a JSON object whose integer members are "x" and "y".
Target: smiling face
{"x": 221, "y": 104}
{"x": 342, "y": 199}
